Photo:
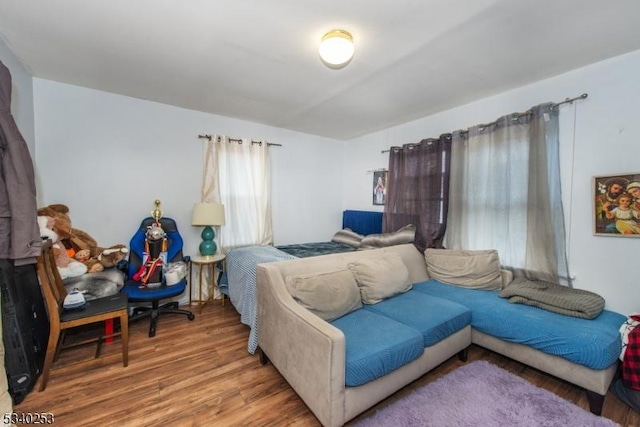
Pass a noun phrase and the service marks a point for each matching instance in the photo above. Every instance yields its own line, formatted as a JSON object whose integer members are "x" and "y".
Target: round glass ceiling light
{"x": 336, "y": 48}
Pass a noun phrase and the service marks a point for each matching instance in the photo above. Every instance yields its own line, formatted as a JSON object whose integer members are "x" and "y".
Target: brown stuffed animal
{"x": 73, "y": 238}
{"x": 67, "y": 266}
{"x": 81, "y": 246}
{"x": 110, "y": 257}
{"x": 92, "y": 263}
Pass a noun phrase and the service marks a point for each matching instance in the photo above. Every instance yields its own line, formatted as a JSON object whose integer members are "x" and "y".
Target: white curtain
{"x": 504, "y": 193}
{"x": 237, "y": 175}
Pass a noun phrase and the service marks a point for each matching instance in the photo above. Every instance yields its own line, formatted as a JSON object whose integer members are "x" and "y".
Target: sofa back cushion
{"x": 412, "y": 258}
{"x": 380, "y": 277}
{"x": 328, "y": 295}
{"x": 472, "y": 269}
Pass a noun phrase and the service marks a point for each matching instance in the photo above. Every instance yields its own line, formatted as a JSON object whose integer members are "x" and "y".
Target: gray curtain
{"x": 505, "y": 193}
{"x": 418, "y": 190}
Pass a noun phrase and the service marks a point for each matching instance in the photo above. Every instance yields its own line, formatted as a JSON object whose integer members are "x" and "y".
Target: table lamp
{"x": 207, "y": 215}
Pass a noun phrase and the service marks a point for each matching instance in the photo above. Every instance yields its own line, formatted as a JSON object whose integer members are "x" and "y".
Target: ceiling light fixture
{"x": 336, "y": 48}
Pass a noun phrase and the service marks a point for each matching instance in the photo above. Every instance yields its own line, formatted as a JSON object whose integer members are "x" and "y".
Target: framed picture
{"x": 379, "y": 187}
{"x": 616, "y": 203}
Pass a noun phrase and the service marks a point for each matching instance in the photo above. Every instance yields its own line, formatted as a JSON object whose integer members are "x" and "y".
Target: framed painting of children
{"x": 616, "y": 203}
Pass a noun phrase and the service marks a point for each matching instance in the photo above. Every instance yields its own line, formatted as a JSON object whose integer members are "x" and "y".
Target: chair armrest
{"x": 123, "y": 265}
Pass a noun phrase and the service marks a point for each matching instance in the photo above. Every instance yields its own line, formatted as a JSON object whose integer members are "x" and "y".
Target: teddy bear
{"x": 92, "y": 263}
{"x": 109, "y": 257}
{"x": 73, "y": 238}
{"x": 67, "y": 266}
{"x": 80, "y": 245}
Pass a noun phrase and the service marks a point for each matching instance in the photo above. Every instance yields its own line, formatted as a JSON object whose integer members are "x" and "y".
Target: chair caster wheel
{"x": 191, "y": 316}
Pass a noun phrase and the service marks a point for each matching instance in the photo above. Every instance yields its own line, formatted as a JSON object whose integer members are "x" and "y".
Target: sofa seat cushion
{"x": 376, "y": 345}
{"x": 594, "y": 343}
{"x": 436, "y": 318}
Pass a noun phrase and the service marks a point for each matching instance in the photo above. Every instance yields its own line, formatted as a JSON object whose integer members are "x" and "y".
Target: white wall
{"x": 607, "y": 129}
{"x": 21, "y": 95}
{"x": 108, "y": 157}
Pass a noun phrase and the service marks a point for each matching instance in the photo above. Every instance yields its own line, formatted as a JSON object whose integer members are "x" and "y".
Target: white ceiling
{"x": 257, "y": 60}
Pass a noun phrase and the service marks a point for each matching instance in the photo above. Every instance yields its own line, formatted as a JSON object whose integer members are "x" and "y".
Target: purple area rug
{"x": 482, "y": 394}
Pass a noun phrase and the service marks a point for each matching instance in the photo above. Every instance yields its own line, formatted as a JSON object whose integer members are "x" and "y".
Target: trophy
{"x": 155, "y": 252}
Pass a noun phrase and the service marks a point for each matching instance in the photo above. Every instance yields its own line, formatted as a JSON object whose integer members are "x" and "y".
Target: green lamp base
{"x": 208, "y": 246}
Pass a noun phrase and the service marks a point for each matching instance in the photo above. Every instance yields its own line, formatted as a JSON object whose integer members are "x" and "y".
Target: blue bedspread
{"x": 240, "y": 283}
{"x": 304, "y": 250}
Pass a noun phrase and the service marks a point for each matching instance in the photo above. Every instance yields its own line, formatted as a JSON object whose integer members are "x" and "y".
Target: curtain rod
{"x": 269, "y": 144}
{"x": 566, "y": 101}
{"x": 570, "y": 100}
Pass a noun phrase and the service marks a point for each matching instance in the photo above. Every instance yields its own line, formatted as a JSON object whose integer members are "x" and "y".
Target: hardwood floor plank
{"x": 199, "y": 373}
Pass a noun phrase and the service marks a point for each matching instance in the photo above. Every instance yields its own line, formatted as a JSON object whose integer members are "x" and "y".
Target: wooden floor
{"x": 200, "y": 374}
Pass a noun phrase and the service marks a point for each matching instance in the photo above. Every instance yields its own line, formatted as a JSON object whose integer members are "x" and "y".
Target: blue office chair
{"x": 138, "y": 292}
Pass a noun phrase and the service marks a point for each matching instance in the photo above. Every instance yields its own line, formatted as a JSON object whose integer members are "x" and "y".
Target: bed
{"x": 360, "y": 222}
{"x": 238, "y": 281}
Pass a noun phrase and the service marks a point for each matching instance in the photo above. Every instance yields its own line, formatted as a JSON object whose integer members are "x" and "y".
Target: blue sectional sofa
{"x": 341, "y": 367}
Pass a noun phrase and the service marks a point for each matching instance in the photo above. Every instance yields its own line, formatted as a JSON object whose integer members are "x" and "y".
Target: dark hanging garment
{"x": 19, "y": 234}
{"x": 25, "y": 326}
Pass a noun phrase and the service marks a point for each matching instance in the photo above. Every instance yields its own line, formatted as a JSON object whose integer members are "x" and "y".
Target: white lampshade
{"x": 208, "y": 214}
{"x": 336, "y": 48}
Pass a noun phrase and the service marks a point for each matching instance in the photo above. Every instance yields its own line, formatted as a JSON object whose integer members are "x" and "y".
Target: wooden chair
{"x": 94, "y": 311}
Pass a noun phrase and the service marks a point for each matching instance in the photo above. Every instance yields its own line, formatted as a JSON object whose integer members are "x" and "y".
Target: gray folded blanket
{"x": 96, "y": 285}
{"x": 554, "y": 297}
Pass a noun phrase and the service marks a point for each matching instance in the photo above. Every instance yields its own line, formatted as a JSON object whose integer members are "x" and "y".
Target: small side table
{"x": 204, "y": 262}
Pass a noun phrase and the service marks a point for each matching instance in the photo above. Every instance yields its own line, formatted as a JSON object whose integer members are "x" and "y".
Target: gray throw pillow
{"x": 380, "y": 277}
{"x": 328, "y": 295}
{"x": 406, "y": 234}
{"x": 472, "y": 269}
{"x": 347, "y": 237}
